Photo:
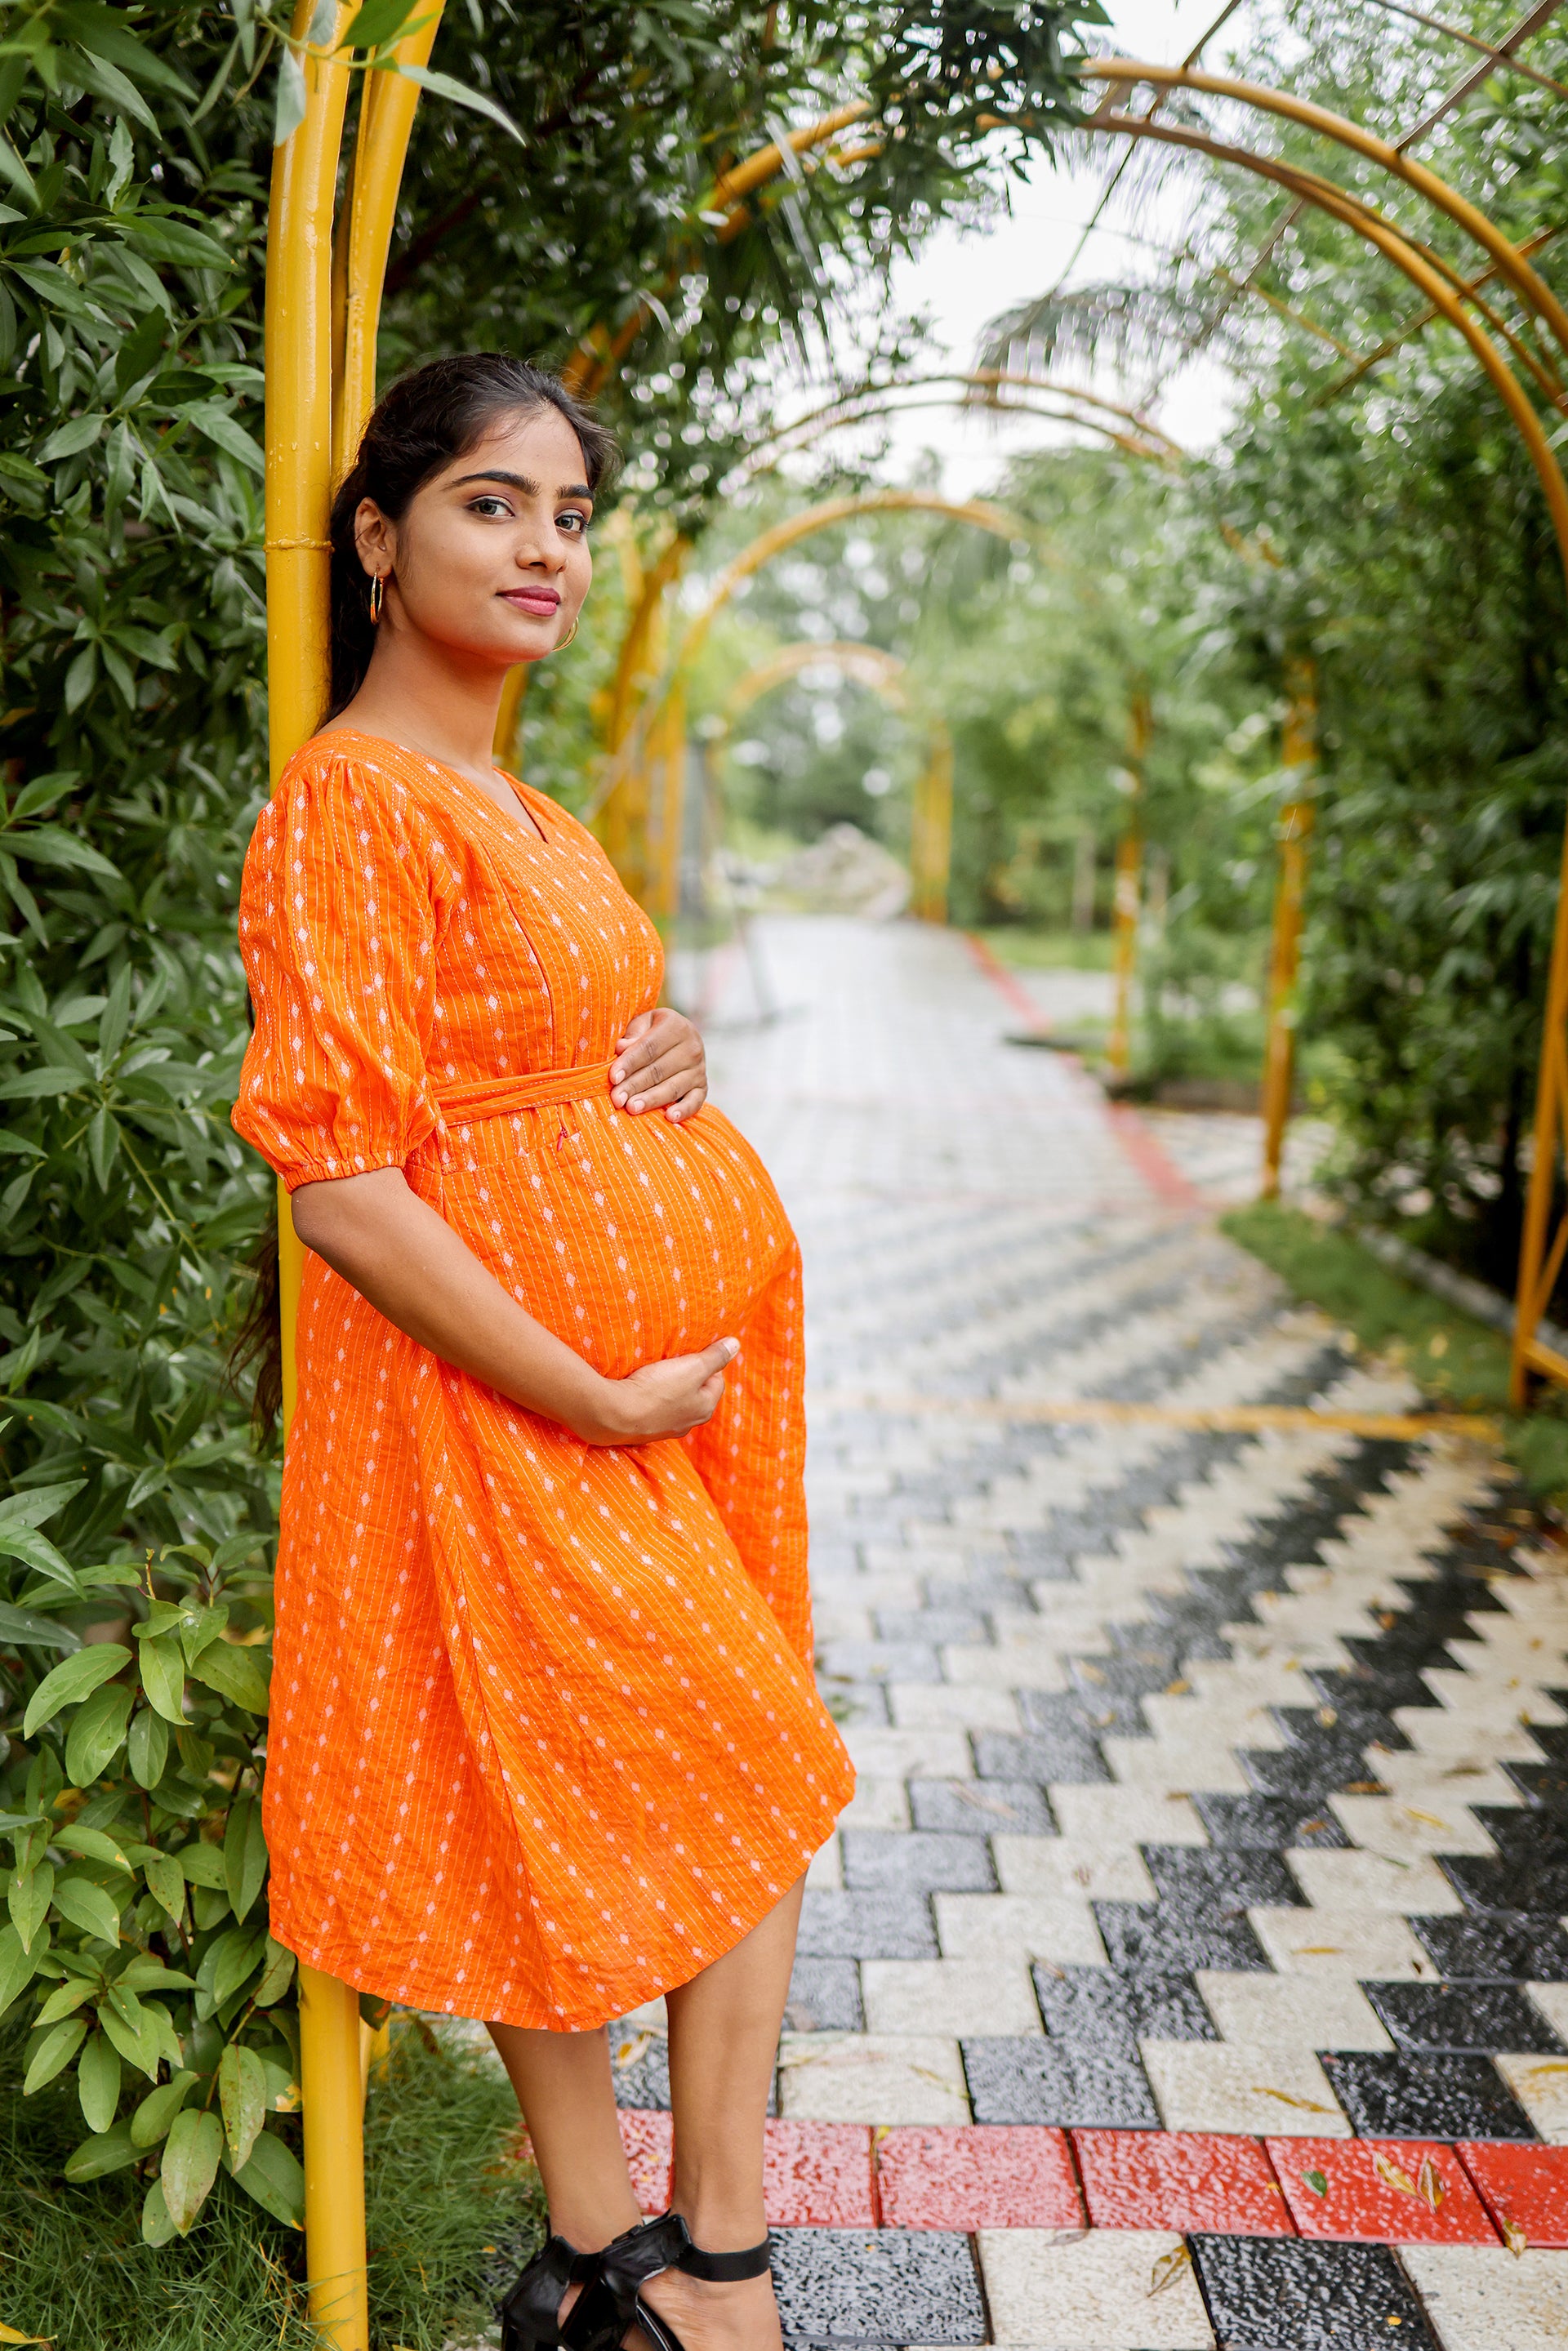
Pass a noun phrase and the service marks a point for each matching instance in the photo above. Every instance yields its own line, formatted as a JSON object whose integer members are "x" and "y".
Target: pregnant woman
{"x": 545, "y": 1742}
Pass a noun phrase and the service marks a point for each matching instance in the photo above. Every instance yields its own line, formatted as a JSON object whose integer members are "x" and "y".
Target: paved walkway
{"x": 1190, "y": 1968}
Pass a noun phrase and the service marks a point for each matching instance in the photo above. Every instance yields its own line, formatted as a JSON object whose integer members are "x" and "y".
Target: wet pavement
{"x": 1190, "y": 1968}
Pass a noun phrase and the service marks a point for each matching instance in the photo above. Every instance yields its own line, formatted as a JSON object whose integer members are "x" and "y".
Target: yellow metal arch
{"x": 883, "y": 673}
{"x": 648, "y": 729}
{"x": 320, "y": 381}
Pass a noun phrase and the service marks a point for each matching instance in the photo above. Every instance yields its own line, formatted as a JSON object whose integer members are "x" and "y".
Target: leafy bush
{"x": 136, "y": 1515}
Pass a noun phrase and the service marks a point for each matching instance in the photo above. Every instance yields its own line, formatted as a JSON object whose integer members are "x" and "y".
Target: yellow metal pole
{"x": 1534, "y": 1293}
{"x": 1129, "y": 872}
{"x": 1298, "y": 755}
{"x": 308, "y": 436}
{"x": 669, "y": 762}
{"x": 931, "y": 833}
{"x": 504, "y": 749}
{"x": 386, "y": 117}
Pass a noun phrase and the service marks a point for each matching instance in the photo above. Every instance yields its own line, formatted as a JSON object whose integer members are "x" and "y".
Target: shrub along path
{"x": 1190, "y": 1968}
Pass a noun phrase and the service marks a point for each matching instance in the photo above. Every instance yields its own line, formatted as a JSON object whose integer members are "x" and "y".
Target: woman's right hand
{"x": 666, "y": 1399}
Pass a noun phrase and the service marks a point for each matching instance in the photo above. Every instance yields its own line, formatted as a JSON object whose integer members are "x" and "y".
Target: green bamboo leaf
{"x": 24, "y": 1628}
{"x": 459, "y": 93}
{"x": 75, "y": 1677}
{"x": 106, "y": 81}
{"x": 163, "y": 1677}
{"x": 149, "y": 1974}
{"x": 68, "y": 440}
{"x": 111, "y": 2150}
{"x": 18, "y": 1966}
{"x": 227, "y": 433}
{"x": 103, "y": 1144}
{"x": 51, "y": 844}
{"x": 274, "y": 2177}
{"x": 152, "y": 2118}
{"x": 190, "y": 2165}
{"x": 35, "y": 1506}
{"x": 87, "y": 1906}
{"x": 175, "y": 242}
{"x": 97, "y": 1735}
{"x": 54, "y": 2054}
{"x": 290, "y": 108}
{"x": 35, "y": 1549}
{"x": 31, "y": 1893}
{"x": 242, "y": 2095}
{"x": 378, "y": 22}
{"x": 98, "y": 2082}
{"x": 245, "y": 1854}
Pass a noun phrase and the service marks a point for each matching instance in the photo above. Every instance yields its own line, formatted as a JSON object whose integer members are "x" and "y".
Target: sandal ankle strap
{"x": 604, "y": 2310}
{"x": 727, "y": 2269}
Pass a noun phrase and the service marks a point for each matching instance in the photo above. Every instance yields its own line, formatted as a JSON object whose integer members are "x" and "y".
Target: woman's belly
{"x": 631, "y": 1239}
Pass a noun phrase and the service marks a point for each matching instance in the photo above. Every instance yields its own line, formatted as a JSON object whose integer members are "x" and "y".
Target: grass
{"x": 1456, "y": 1362}
{"x": 449, "y": 2217}
{"x": 1031, "y": 950}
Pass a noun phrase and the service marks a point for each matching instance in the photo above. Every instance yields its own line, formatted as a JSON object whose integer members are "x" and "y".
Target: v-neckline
{"x": 537, "y": 839}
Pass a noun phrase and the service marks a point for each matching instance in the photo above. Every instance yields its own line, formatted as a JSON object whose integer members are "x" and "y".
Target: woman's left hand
{"x": 660, "y": 1065}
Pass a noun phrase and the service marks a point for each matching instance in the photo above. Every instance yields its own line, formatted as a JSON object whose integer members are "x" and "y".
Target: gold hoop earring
{"x": 376, "y": 592}
{"x": 568, "y": 636}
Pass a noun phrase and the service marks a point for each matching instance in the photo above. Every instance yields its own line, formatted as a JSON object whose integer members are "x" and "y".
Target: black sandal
{"x": 531, "y": 2315}
{"x": 607, "y": 2308}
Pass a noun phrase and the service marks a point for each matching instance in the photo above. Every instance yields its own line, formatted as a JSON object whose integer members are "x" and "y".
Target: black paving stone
{"x": 824, "y": 1997}
{"x": 1002, "y": 1755}
{"x": 1187, "y": 1877}
{"x": 876, "y": 2286}
{"x": 872, "y": 1661}
{"x": 643, "y": 2078}
{"x": 1523, "y": 1885}
{"x": 1095, "y": 2005}
{"x": 1280, "y": 1824}
{"x": 1059, "y": 2082}
{"x": 1410, "y": 2096}
{"x": 986, "y": 1807}
{"x": 1144, "y": 1938}
{"x": 1544, "y": 1783}
{"x": 1528, "y": 1947}
{"x": 866, "y": 1926}
{"x": 1306, "y": 1778}
{"x": 1463, "y": 2016}
{"x": 1524, "y": 1834}
{"x": 1276, "y": 2293}
{"x": 1351, "y": 1733}
{"x": 918, "y": 1861}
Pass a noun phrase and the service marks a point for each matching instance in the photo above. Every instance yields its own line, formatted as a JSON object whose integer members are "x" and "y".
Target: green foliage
{"x": 1456, "y": 1362}
{"x": 149, "y": 2003}
{"x": 451, "y": 2213}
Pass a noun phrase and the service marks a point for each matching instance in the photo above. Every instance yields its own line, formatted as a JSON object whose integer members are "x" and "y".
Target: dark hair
{"x": 424, "y": 420}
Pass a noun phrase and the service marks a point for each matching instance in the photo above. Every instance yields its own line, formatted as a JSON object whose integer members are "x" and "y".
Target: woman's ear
{"x": 373, "y": 538}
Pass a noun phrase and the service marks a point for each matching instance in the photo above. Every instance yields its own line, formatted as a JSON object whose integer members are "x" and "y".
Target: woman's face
{"x": 490, "y": 559}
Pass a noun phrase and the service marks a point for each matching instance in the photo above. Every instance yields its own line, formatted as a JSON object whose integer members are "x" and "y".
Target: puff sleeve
{"x": 337, "y": 928}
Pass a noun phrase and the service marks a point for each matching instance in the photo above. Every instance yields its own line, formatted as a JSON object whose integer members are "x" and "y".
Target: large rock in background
{"x": 845, "y": 872}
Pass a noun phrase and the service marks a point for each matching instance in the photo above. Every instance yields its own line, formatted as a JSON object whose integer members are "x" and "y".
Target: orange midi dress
{"x": 545, "y": 1738}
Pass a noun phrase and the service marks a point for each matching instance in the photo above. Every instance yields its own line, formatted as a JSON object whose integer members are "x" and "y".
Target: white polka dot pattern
{"x": 545, "y": 1738}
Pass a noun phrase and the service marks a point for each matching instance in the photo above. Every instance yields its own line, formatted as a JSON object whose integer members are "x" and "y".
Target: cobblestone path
{"x": 1190, "y": 1968}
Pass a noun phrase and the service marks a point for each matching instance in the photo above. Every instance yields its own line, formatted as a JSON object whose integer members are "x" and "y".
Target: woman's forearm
{"x": 406, "y": 1259}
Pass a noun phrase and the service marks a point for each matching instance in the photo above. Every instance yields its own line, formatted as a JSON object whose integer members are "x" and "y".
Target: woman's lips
{"x": 543, "y": 601}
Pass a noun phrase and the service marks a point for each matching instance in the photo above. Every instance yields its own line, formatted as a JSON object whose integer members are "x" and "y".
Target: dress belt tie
{"x": 530, "y": 1090}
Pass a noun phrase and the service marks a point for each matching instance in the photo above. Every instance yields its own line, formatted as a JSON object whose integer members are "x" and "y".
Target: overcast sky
{"x": 962, "y": 280}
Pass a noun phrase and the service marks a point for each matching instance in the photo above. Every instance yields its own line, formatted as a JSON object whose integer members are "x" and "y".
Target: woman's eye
{"x": 574, "y": 523}
{"x": 489, "y": 507}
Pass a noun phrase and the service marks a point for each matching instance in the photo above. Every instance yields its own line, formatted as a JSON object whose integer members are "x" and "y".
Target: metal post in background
{"x": 1129, "y": 872}
{"x": 1298, "y": 759}
{"x": 931, "y": 832}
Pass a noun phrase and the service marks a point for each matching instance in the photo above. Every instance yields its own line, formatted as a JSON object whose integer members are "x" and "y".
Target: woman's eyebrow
{"x": 521, "y": 482}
